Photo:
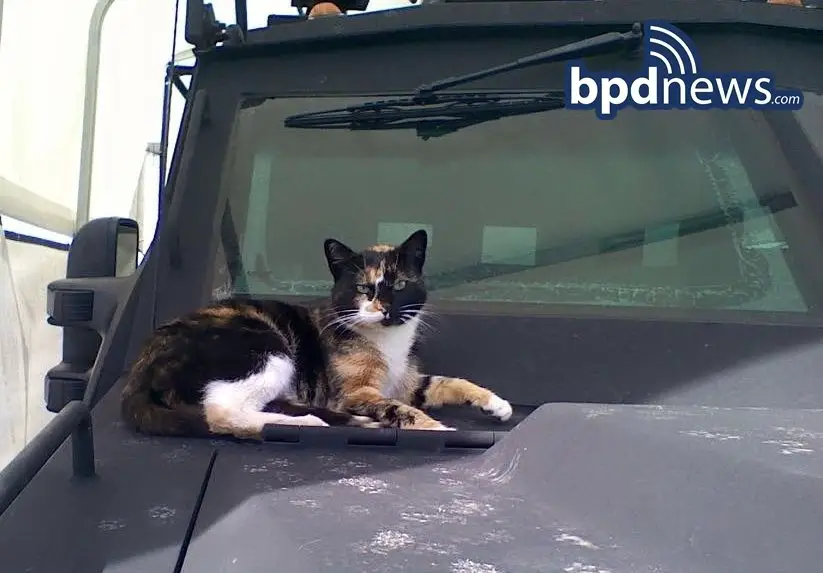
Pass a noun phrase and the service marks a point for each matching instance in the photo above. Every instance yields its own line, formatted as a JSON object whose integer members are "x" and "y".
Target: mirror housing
{"x": 84, "y": 302}
{"x": 105, "y": 247}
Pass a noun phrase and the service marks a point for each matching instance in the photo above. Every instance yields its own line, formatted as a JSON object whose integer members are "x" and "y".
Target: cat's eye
{"x": 399, "y": 285}
{"x": 364, "y": 289}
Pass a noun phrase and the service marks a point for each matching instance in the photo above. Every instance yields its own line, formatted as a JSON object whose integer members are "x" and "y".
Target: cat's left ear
{"x": 413, "y": 250}
{"x": 338, "y": 256}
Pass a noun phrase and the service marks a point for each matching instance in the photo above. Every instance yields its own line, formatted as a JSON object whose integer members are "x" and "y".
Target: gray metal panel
{"x": 687, "y": 489}
{"x": 575, "y": 488}
{"x": 133, "y": 517}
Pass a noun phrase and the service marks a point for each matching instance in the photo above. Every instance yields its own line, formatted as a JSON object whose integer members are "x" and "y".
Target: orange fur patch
{"x": 359, "y": 369}
{"x": 375, "y": 306}
{"x": 373, "y": 273}
{"x": 444, "y": 391}
{"x": 223, "y": 313}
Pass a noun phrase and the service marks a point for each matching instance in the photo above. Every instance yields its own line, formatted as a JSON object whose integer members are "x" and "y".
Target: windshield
{"x": 690, "y": 210}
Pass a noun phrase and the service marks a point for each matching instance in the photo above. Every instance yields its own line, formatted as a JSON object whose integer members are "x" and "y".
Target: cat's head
{"x": 380, "y": 286}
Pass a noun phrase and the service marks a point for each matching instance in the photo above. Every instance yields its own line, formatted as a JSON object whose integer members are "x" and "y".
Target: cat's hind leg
{"x": 248, "y": 424}
{"x": 330, "y": 416}
{"x": 432, "y": 391}
{"x": 235, "y": 407}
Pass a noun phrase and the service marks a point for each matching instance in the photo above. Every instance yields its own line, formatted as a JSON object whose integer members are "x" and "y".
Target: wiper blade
{"x": 445, "y": 114}
{"x": 435, "y": 114}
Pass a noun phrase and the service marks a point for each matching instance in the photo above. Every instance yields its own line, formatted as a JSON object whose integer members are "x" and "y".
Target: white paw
{"x": 438, "y": 428}
{"x": 499, "y": 408}
{"x": 311, "y": 420}
{"x": 364, "y": 422}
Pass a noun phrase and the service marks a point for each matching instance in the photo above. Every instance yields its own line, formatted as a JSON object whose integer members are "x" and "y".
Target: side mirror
{"x": 105, "y": 248}
{"x": 128, "y": 246}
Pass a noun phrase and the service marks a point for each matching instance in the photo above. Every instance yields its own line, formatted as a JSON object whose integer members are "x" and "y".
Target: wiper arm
{"x": 602, "y": 44}
{"x": 435, "y": 114}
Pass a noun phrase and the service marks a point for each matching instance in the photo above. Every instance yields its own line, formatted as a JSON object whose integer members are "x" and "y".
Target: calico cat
{"x": 220, "y": 369}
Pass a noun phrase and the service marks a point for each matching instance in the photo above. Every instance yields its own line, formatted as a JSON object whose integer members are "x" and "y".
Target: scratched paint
{"x": 714, "y": 435}
{"x": 357, "y": 510}
{"x": 458, "y": 510}
{"x": 578, "y": 567}
{"x": 596, "y": 412}
{"x": 255, "y": 468}
{"x": 162, "y": 512}
{"x": 575, "y": 540}
{"x": 436, "y": 548}
{"x": 111, "y": 524}
{"x": 442, "y": 470}
{"x": 308, "y": 503}
{"x": 791, "y": 447}
{"x": 365, "y": 484}
{"x": 469, "y": 566}
{"x": 800, "y": 433}
{"x": 177, "y": 455}
{"x": 497, "y": 536}
{"x": 387, "y": 540}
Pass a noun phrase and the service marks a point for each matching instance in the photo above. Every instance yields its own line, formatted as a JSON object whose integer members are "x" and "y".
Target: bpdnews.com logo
{"x": 673, "y": 79}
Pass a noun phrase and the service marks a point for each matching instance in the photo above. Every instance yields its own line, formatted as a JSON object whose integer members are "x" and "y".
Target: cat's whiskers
{"x": 414, "y": 307}
{"x": 430, "y": 307}
{"x": 336, "y": 326}
{"x": 344, "y": 319}
{"x": 334, "y": 311}
{"x": 420, "y": 312}
{"x": 423, "y": 325}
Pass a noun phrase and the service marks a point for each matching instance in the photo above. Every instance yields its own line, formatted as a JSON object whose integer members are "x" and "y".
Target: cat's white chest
{"x": 394, "y": 344}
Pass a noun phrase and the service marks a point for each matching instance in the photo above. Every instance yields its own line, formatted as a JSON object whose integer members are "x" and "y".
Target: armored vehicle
{"x": 643, "y": 285}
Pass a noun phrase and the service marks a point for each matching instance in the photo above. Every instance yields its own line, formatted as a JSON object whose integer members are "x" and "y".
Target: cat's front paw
{"x": 498, "y": 407}
{"x": 437, "y": 428}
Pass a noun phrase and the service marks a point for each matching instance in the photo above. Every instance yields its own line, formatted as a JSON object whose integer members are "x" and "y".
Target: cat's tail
{"x": 143, "y": 412}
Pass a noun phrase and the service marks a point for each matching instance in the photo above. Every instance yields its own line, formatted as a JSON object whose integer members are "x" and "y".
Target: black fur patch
{"x": 419, "y": 397}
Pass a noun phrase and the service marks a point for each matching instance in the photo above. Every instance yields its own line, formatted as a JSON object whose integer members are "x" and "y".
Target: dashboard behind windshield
{"x": 691, "y": 211}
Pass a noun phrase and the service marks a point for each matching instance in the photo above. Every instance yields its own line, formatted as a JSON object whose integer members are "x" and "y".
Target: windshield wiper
{"x": 434, "y": 114}
{"x": 446, "y": 114}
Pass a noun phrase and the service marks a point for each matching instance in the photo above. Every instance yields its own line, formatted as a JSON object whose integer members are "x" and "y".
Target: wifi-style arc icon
{"x": 667, "y": 47}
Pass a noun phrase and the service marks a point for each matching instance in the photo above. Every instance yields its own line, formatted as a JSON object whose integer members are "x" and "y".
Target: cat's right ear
{"x": 338, "y": 256}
